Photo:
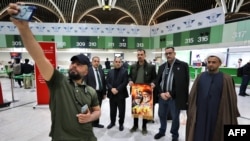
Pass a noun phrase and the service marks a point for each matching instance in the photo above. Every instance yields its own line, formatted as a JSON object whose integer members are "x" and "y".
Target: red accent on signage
{"x": 14, "y": 55}
{"x": 42, "y": 90}
{"x": 1, "y": 94}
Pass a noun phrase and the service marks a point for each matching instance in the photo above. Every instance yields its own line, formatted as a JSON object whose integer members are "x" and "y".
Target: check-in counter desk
{"x": 231, "y": 71}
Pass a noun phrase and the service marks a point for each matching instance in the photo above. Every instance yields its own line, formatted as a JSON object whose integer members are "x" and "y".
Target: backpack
{"x": 240, "y": 72}
{"x": 17, "y": 68}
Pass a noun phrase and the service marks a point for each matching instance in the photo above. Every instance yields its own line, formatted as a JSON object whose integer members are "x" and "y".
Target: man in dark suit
{"x": 107, "y": 64}
{"x": 172, "y": 84}
{"x": 117, "y": 80}
{"x": 96, "y": 79}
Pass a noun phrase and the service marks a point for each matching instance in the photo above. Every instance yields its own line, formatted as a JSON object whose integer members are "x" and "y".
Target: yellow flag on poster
{"x": 142, "y": 101}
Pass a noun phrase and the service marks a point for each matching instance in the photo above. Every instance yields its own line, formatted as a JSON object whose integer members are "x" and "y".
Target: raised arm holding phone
{"x": 67, "y": 94}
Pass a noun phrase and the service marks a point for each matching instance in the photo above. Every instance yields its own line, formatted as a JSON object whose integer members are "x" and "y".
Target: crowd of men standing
{"x": 170, "y": 87}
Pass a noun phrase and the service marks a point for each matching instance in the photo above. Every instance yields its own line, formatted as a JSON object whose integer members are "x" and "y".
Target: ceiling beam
{"x": 174, "y": 10}
{"x": 94, "y": 17}
{"x": 124, "y": 17}
{"x": 140, "y": 11}
{"x": 97, "y": 7}
{"x": 156, "y": 10}
{"x": 73, "y": 11}
{"x": 58, "y": 10}
{"x": 239, "y": 6}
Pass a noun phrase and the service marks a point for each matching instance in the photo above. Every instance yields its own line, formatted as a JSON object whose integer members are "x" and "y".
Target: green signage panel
{"x": 14, "y": 41}
{"x": 233, "y": 32}
{"x": 120, "y": 42}
{"x": 200, "y": 36}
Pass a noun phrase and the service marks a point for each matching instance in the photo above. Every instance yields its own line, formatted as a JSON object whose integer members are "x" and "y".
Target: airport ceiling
{"x": 140, "y": 12}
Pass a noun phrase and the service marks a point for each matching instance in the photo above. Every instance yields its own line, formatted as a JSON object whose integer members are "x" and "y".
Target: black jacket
{"x": 149, "y": 72}
{"x": 27, "y": 68}
{"x": 119, "y": 82}
{"x": 180, "y": 89}
{"x": 246, "y": 69}
{"x": 90, "y": 79}
{"x": 149, "y": 75}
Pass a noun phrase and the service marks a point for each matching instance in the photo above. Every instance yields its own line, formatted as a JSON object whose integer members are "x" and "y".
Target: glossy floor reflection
{"x": 21, "y": 122}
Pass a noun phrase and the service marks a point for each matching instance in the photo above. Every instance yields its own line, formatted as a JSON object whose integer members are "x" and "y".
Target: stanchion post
{"x": 12, "y": 87}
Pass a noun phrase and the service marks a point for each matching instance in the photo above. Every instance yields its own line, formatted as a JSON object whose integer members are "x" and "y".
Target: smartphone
{"x": 84, "y": 109}
{"x": 25, "y": 13}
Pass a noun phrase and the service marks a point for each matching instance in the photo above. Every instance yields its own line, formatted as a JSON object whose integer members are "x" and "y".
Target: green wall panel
{"x": 177, "y": 39}
{"x": 145, "y": 43}
{"x": 104, "y": 43}
{"x": 163, "y": 41}
{"x": 216, "y": 34}
{"x": 170, "y": 39}
{"x": 3, "y": 41}
{"x": 132, "y": 42}
{"x": 67, "y": 41}
{"x": 228, "y": 31}
{"x": 233, "y": 32}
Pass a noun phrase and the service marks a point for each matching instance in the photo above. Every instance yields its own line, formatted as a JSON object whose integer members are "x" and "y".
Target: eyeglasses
{"x": 169, "y": 53}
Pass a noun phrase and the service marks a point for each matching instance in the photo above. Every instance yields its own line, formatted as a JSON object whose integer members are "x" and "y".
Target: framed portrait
{"x": 142, "y": 101}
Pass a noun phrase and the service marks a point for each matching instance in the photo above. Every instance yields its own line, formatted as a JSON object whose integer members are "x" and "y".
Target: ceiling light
{"x": 106, "y": 4}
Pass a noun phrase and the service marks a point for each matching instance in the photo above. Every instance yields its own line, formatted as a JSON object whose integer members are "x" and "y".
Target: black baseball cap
{"x": 84, "y": 60}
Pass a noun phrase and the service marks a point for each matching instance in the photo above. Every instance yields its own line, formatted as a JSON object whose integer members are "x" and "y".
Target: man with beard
{"x": 172, "y": 84}
{"x": 67, "y": 94}
{"x": 144, "y": 73}
{"x": 212, "y": 103}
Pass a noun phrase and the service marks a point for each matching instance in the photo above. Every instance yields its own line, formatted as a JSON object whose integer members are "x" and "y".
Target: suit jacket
{"x": 180, "y": 89}
{"x": 149, "y": 72}
{"x": 149, "y": 75}
{"x": 121, "y": 81}
{"x": 90, "y": 79}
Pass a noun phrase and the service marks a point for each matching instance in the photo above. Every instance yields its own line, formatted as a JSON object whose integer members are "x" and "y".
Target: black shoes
{"x": 110, "y": 125}
{"x": 174, "y": 139}
{"x": 98, "y": 126}
{"x": 151, "y": 121}
{"x": 144, "y": 131}
{"x": 133, "y": 129}
{"x": 121, "y": 128}
{"x": 159, "y": 135}
{"x": 244, "y": 94}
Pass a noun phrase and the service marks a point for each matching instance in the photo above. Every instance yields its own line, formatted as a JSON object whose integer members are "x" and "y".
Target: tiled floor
{"x": 20, "y": 122}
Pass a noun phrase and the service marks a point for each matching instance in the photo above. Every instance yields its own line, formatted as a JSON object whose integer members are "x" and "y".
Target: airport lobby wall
{"x": 233, "y": 35}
